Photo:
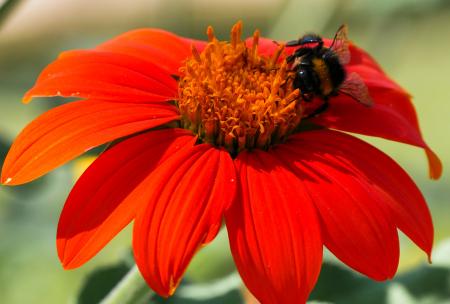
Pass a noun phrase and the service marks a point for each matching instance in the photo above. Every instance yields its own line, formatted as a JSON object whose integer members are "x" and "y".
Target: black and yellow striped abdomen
{"x": 323, "y": 73}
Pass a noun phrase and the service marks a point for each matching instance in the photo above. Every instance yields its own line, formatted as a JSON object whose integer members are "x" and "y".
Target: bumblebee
{"x": 319, "y": 71}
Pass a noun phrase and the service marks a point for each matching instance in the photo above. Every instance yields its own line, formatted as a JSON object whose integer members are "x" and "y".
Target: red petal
{"x": 361, "y": 194}
{"x": 392, "y": 117}
{"x": 98, "y": 208}
{"x": 361, "y": 57}
{"x": 67, "y": 131}
{"x": 157, "y": 46}
{"x": 104, "y": 75}
{"x": 274, "y": 233}
{"x": 186, "y": 198}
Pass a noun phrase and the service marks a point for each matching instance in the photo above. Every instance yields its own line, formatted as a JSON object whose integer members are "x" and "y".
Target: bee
{"x": 319, "y": 70}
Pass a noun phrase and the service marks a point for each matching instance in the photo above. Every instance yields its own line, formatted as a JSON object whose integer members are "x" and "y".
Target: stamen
{"x": 210, "y": 33}
{"x": 254, "y": 46}
{"x": 278, "y": 79}
{"x": 236, "y": 32}
{"x": 191, "y": 71}
{"x": 195, "y": 54}
{"x": 232, "y": 97}
{"x": 277, "y": 54}
{"x": 239, "y": 32}
{"x": 293, "y": 96}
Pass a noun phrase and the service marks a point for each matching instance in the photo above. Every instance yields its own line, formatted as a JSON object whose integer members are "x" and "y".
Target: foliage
{"x": 337, "y": 284}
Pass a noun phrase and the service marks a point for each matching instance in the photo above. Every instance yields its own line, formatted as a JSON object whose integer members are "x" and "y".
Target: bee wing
{"x": 355, "y": 87}
{"x": 340, "y": 44}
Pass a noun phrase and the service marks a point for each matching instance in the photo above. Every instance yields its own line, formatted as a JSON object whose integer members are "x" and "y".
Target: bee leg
{"x": 298, "y": 53}
{"x": 302, "y": 51}
{"x": 319, "y": 110}
{"x": 290, "y": 58}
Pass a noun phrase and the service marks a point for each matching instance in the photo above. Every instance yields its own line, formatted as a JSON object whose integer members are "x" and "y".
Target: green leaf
{"x": 121, "y": 284}
{"x": 426, "y": 284}
{"x": 233, "y": 296}
{"x": 3, "y": 150}
{"x": 100, "y": 282}
{"x": 223, "y": 291}
{"x": 340, "y": 285}
{"x": 398, "y": 293}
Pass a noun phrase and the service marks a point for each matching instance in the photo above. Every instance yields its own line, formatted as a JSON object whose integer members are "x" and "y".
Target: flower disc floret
{"x": 231, "y": 96}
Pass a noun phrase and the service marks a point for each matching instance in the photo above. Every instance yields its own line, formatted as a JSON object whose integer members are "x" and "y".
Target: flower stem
{"x": 131, "y": 289}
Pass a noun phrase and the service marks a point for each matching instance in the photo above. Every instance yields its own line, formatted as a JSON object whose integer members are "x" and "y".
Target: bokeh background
{"x": 409, "y": 38}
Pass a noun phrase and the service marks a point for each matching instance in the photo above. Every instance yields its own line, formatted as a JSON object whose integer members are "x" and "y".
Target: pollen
{"x": 233, "y": 97}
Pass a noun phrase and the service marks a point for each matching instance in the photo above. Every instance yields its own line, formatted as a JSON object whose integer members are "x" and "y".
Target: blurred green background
{"x": 409, "y": 38}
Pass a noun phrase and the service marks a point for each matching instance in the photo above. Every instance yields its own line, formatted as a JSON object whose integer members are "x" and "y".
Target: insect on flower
{"x": 230, "y": 144}
{"x": 320, "y": 70}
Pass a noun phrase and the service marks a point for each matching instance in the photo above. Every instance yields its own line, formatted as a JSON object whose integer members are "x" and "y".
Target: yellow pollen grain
{"x": 233, "y": 97}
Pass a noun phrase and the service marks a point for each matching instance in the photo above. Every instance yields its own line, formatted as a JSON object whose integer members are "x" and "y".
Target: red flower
{"x": 229, "y": 144}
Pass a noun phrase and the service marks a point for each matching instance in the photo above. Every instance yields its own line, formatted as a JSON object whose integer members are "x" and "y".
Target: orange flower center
{"x": 232, "y": 97}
